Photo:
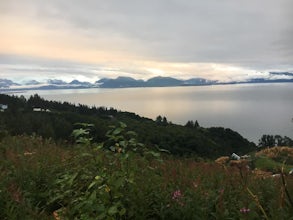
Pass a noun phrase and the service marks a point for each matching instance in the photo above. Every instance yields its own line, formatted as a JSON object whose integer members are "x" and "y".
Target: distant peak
{"x": 56, "y": 81}
{"x": 32, "y": 82}
{"x": 5, "y": 83}
{"x": 74, "y": 82}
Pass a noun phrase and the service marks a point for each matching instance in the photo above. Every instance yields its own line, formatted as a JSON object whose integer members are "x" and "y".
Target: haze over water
{"x": 250, "y": 109}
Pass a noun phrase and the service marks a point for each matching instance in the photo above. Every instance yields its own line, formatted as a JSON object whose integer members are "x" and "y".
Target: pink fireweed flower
{"x": 244, "y": 210}
{"x": 177, "y": 196}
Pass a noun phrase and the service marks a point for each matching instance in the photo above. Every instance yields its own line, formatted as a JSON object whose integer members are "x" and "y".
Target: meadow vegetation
{"x": 121, "y": 178}
{"x": 54, "y": 167}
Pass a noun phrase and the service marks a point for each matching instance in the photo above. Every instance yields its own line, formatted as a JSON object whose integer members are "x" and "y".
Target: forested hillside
{"x": 56, "y": 120}
{"x": 76, "y": 162}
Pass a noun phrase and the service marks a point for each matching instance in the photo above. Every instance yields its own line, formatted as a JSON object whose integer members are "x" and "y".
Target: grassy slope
{"x": 273, "y": 159}
{"x": 36, "y": 171}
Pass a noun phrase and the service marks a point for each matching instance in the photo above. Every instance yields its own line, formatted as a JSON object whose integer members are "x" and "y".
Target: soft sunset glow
{"x": 186, "y": 39}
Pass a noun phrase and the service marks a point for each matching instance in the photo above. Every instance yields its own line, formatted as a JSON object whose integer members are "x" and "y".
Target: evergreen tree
{"x": 159, "y": 119}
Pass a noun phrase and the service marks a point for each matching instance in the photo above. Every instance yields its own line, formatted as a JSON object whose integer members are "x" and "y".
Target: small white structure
{"x": 41, "y": 110}
{"x": 235, "y": 156}
{"x": 3, "y": 107}
{"x": 277, "y": 175}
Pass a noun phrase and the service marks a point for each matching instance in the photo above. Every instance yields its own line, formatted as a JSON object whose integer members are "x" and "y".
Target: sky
{"x": 91, "y": 39}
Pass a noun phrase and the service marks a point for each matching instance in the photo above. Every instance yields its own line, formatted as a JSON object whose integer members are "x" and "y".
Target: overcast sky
{"x": 91, "y": 39}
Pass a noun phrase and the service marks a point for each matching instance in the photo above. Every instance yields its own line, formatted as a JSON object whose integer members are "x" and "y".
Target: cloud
{"x": 219, "y": 39}
{"x": 182, "y": 31}
{"x": 21, "y": 69}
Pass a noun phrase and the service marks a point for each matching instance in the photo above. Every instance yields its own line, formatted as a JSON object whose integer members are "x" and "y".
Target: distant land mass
{"x": 128, "y": 82}
{"x": 159, "y": 81}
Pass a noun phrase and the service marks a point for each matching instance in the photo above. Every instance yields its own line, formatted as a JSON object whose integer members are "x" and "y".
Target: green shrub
{"x": 123, "y": 179}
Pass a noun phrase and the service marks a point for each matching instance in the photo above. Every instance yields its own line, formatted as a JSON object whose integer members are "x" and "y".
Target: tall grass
{"x": 41, "y": 180}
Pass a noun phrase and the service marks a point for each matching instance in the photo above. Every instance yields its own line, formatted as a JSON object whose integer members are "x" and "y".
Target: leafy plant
{"x": 99, "y": 188}
{"x": 120, "y": 178}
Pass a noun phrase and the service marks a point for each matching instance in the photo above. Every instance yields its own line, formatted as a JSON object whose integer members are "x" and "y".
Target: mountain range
{"x": 127, "y": 82}
{"x": 159, "y": 81}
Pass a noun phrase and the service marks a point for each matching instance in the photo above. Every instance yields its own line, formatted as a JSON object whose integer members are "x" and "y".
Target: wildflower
{"x": 244, "y": 210}
{"x": 177, "y": 194}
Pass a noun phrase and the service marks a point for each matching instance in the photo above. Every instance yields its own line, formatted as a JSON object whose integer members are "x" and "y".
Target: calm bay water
{"x": 250, "y": 109}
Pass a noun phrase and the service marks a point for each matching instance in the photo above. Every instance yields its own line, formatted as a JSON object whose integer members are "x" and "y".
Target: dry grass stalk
{"x": 222, "y": 160}
{"x": 275, "y": 152}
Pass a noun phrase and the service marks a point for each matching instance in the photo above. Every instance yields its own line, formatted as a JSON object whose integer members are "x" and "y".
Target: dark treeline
{"x": 274, "y": 140}
{"x": 56, "y": 120}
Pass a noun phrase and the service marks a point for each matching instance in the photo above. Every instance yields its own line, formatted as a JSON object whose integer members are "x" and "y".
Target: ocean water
{"x": 250, "y": 109}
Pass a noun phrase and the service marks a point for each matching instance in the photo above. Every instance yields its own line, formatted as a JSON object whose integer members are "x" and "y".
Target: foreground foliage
{"x": 122, "y": 179}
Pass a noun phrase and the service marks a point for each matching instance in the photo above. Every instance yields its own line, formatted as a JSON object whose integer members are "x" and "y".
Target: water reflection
{"x": 252, "y": 110}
